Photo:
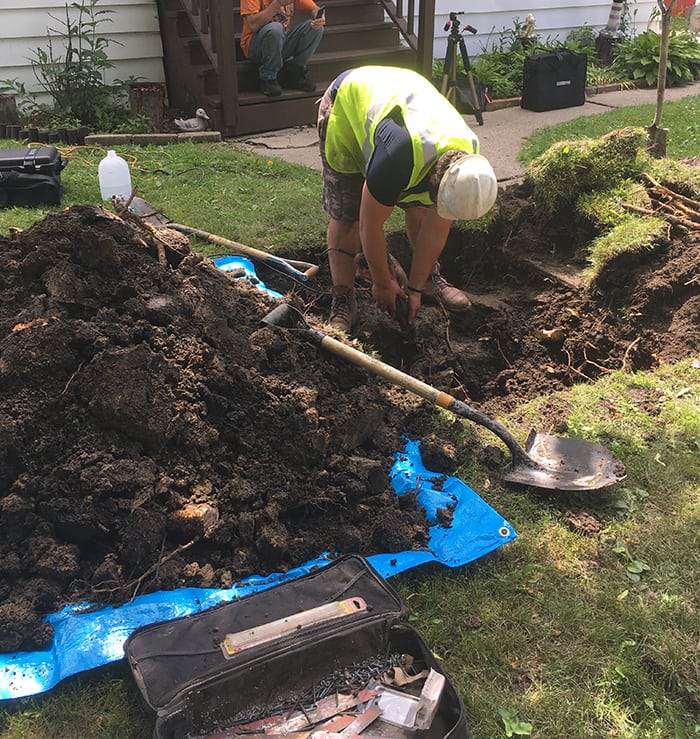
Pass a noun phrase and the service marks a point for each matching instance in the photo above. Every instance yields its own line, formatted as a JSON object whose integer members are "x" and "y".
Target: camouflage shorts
{"x": 341, "y": 192}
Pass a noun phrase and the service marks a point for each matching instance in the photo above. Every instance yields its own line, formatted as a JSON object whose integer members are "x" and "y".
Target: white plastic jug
{"x": 114, "y": 176}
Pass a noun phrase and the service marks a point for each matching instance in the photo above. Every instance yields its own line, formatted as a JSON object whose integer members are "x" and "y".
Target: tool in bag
{"x": 31, "y": 176}
{"x": 234, "y": 643}
{"x": 330, "y": 678}
{"x": 551, "y": 462}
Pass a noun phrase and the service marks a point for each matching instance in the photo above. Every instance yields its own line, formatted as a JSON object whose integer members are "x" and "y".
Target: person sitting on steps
{"x": 280, "y": 49}
{"x": 389, "y": 138}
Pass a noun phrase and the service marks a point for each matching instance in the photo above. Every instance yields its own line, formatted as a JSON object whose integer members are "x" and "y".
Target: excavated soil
{"x": 154, "y": 435}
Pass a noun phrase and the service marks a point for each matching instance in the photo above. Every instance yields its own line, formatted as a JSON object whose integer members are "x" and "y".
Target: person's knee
{"x": 272, "y": 33}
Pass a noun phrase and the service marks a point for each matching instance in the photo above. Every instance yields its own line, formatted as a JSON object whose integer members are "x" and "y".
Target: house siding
{"x": 553, "y": 20}
{"x": 137, "y": 51}
{"x": 131, "y": 25}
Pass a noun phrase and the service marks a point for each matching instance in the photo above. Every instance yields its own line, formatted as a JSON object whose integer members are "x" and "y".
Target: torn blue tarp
{"x": 88, "y": 636}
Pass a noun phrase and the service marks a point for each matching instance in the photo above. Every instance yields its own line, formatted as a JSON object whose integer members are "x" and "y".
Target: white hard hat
{"x": 467, "y": 190}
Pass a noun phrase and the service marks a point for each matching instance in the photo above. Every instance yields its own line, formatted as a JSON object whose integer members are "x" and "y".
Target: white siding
{"x": 553, "y": 20}
{"x": 132, "y": 26}
{"x": 24, "y": 27}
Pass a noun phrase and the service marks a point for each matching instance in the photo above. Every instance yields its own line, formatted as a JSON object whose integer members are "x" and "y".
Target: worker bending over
{"x": 389, "y": 138}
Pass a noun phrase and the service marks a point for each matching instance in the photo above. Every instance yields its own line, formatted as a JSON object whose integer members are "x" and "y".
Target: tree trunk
{"x": 148, "y": 99}
{"x": 8, "y": 110}
{"x": 657, "y": 136}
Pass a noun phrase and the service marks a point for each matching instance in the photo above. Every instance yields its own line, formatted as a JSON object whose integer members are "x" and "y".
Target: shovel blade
{"x": 148, "y": 213}
{"x": 559, "y": 463}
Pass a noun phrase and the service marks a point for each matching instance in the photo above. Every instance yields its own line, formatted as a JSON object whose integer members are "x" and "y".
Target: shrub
{"x": 70, "y": 70}
{"x": 637, "y": 58}
{"x": 500, "y": 68}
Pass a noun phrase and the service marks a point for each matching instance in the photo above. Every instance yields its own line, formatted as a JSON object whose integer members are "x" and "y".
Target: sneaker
{"x": 449, "y": 296}
{"x": 343, "y": 309}
{"x": 271, "y": 88}
{"x": 294, "y": 77}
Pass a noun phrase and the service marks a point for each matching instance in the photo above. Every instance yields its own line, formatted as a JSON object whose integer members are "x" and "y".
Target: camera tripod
{"x": 451, "y": 88}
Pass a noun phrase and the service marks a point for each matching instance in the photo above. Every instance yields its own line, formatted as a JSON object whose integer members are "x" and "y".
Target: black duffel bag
{"x": 554, "y": 79}
{"x": 30, "y": 176}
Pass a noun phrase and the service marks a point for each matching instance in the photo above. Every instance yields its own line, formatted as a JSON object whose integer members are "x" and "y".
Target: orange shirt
{"x": 250, "y": 7}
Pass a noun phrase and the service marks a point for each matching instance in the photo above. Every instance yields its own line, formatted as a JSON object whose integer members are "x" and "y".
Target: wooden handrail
{"x": 416, "y": 27}
{"x": 214, "y": 23}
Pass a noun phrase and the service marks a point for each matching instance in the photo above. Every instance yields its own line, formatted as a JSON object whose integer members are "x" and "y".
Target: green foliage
{"x": 500, "y": 67}
{"x": 631, "y": 233}
{"x": 637, "y": 58}
{"x": 71, "y": 70}
{"x": 583, "y": 40}
{"x": 572, "y": 168}
{"x": 512, "y": 725}
{"x": 681, "y": 117}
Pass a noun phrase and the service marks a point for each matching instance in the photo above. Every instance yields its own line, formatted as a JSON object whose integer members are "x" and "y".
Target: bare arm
{"x": 428, "y": 233}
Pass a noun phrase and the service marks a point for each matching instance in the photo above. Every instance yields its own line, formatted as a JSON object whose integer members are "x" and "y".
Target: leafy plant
{"x": 71, "y": 71}
{"x": 500, "y": 68}
{"x": 512, "y": 724}
{"x": 583, "y": 40}
{"x": 637, "y": 58}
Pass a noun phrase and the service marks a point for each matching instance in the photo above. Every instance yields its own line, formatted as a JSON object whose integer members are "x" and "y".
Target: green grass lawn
{"x": 559, "y": 633}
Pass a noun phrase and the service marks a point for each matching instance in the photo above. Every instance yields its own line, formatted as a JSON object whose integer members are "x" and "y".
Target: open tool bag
{"x": 554, "y": 79}
{"x": 325, "y": 656}
{"x": 30, "y": 176}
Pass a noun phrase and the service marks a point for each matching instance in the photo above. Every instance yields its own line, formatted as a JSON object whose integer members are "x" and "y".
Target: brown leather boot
{"x": 343, "y": 309}
{"x": 449, "y": 296}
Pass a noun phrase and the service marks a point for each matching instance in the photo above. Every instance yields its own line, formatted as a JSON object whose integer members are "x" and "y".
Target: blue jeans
{"x": 271, "y": 47}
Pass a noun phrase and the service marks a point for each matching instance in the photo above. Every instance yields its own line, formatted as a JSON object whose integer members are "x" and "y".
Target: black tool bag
{"x": 555, "y": 79}
{"x": 282, "y": 647}
{"x": 30, "y": 176}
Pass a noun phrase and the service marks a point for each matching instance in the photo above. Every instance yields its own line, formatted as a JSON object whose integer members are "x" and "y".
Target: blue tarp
{"x": 233, "y": 263}
{"x": 86, "y": 636}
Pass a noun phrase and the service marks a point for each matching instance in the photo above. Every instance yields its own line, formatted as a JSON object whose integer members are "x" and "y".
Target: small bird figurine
{"x": 198, "y": 123}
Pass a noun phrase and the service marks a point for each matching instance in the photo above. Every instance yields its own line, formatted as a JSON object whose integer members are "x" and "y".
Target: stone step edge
{"x": 144, "y": 139}
{"x": 500, "y": 103}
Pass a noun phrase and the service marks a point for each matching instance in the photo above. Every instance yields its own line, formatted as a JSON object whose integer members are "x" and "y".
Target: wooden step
{"x": 357, "y": 33}
{"x": 328, "y": 65}
{"x": 338, "y": 12}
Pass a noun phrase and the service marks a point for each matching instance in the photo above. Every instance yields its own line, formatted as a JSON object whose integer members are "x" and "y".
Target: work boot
{"x": 343, "y": 309}
{"x": 293, "y": 77}
{"x": 271, "y": 88}
{"x": 449, "y": 296}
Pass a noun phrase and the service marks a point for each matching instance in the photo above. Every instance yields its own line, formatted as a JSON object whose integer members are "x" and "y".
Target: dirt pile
{"x": 153, "y": 435}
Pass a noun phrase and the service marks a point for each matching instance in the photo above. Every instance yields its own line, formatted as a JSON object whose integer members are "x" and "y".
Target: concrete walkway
{"x": 502, "y": 135}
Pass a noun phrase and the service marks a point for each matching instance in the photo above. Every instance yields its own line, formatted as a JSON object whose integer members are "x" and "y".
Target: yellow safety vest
{"x": 367, "y": 95}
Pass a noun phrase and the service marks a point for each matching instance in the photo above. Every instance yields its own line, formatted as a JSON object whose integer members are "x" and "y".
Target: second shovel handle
{"x": 302, "y": 270}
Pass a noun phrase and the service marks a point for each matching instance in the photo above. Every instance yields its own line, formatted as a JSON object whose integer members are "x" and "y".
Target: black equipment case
{"x": 201, "y": 684}
{"x": 554, "y": 79}
{"x": 30, "y": 176}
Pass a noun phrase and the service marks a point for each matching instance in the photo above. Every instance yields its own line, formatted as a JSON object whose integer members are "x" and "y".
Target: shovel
{"x": 549, "y": 462}
{"x": 302, "y": 271}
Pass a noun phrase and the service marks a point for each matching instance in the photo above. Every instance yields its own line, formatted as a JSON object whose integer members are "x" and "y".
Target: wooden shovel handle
{"x": 290, "y": 266}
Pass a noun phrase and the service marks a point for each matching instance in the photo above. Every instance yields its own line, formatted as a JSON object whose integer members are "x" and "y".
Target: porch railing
{"x": 215, "y": 24}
